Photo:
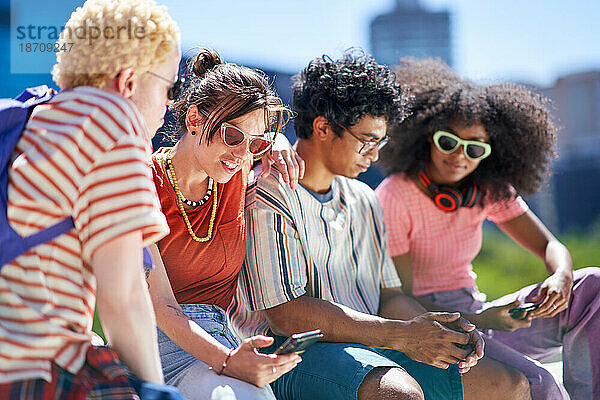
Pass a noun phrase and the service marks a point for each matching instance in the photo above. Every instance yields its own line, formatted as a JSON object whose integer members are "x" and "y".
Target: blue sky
{"x": 525, "y": 40}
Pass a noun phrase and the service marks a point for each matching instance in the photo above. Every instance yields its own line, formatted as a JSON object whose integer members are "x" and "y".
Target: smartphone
{"x": 520, "y": 312}
{"x": 299, "y": 342}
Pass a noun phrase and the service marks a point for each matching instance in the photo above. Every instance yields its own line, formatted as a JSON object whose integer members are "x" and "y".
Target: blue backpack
{"x": 14, "y": 114}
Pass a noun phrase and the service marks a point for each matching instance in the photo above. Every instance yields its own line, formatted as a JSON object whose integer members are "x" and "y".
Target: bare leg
{"x": 389, "y": 383}
{"x": 491, "y": 380}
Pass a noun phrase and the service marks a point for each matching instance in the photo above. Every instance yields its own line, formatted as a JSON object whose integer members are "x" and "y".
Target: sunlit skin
{"x": 346, "y": 160}
{"x": 450, "y": 169}
{"x": 220, "y": 161}
{"x": 195, "y": 160}
{"x": 340, "y": 154}
{"x": 150, "y": 95}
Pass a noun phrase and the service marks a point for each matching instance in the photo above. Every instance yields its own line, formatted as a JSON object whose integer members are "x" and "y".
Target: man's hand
{"x": 476, "y": 343}
{"x": 426, "y": 339}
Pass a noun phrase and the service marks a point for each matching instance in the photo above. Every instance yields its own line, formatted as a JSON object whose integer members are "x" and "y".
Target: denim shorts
{"x": 213, "y": 320}
{"x": 334, "y": 371}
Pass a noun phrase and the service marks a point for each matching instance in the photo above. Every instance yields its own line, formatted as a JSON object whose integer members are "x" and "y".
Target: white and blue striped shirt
{"x": 298, "y": 242}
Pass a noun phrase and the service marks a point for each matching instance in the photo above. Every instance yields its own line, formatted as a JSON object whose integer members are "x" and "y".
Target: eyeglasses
{"x": 258, "y": 144}
{"x": 175, "y": 88}
{"x": 367, "y": 145}
{"x": 447, "y": 143}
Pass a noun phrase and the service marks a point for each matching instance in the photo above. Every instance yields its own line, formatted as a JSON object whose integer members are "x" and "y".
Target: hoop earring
{"x": 193, "y": 133}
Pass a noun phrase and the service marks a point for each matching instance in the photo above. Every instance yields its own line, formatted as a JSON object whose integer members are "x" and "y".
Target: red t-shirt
{"x": 204, "y": 272}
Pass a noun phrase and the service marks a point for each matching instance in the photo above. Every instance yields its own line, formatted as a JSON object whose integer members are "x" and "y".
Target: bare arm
{"x": 337, "y": 322}
{"x": 394, "y": 304}
{"x": 422, "y": 338}
{"x": 245, "y": 362}
{"x": 494, "y": 318}
{"x": 175, "y": 324}
{"x": 404, "y": 270}
{"x": 124, "y": 305}
{"x": 532, "y": 234}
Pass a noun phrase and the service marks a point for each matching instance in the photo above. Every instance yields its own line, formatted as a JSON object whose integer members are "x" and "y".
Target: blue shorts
{"x": 335, "y": 371}
{"x": 193, "y": 378}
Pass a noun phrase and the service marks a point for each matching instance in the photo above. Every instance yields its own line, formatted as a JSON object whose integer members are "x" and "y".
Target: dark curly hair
{"x": 517, "y": 121}
{"x": 344, "y": 91}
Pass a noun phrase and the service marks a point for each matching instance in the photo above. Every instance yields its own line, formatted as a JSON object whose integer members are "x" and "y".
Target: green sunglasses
{"x": 447, "y": 143}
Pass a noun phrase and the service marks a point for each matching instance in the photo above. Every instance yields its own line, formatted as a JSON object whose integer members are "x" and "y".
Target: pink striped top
{"x": 86, "y": 155}
{"x": 442, "y": 245}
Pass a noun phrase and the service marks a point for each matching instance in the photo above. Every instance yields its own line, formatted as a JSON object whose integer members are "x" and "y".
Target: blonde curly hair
{"x": 105, "y": 36}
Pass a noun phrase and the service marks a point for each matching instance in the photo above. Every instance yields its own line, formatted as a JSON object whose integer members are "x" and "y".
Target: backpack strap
{"x": 14, "y": 114}
{"x": 47, "y": 234}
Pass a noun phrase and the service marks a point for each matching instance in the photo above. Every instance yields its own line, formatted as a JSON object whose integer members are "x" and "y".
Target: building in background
{"x": 410, "y": 30}
{"x": 573, "y": 192}
{"x": 576, "y": 100}
{"x": 570, "y": 198}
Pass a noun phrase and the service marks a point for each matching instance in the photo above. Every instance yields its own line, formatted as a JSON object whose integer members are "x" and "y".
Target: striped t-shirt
{"x": 442, "y": 244}
{"x": 85, "y": 154}
{"x": 331, "y": 247}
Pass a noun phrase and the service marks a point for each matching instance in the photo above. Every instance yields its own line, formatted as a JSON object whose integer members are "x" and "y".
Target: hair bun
{"x": 206, "y": 60}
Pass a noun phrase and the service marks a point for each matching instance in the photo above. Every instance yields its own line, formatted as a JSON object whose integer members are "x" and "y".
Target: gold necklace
{"x": 179, "y": 197}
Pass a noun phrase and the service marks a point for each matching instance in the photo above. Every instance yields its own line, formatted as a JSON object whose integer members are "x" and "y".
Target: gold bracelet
{"x": 225, "y": 362}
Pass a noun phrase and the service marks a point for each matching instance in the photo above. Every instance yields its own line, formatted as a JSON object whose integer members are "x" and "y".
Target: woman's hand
{"x": 247, "y": 364}
{"x": 499, "y": 319}
{"x": 555, "y": 292}
{"x": 288, "y": 162}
